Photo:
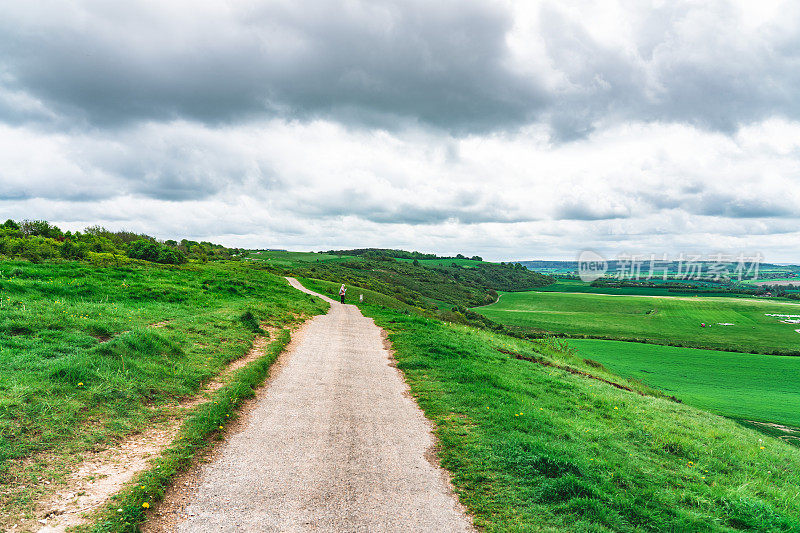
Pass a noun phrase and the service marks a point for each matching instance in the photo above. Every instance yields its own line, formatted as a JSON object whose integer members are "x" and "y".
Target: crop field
{"x": 467, "y": 263}
{"x": 662, "y": 320}
{"x": 569, "y": 285}
{"x": 88, "y": 354}
{"x": 773, "y": 281}
{"x": 284, "y": 258}
{"x": 764, "y": 388}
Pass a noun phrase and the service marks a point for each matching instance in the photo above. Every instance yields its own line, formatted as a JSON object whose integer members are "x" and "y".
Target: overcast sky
{"x": 513, "y": 130}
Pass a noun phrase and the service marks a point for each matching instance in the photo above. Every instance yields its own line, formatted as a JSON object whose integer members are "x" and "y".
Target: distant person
{"x": 361, "y": 298}
{"x": 342, "y": 290}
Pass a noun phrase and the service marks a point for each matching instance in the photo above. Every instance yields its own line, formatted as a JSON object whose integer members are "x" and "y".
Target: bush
{"x": 157, "y": 253}
{"x": 72, "y": 250}
{"x": 106, "y": 259}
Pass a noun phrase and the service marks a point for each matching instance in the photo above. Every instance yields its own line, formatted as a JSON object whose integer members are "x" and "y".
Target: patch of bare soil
{"x": 577, "y": 372}
{"x": 104, "y": 473}
{"x": 788, "y": 433}
{"x": 171, "y": 510}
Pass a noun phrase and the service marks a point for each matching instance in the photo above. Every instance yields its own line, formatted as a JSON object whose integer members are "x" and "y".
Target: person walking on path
{"x": 342, "y": 290}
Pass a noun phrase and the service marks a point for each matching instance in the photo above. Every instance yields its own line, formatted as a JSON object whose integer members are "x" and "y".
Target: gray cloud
{"x": 377, "y": 62}
{"x": 689, "y": 63}
{"x": 399, "y": 209}
{"x": 576, "y": 210}
{"x": 704, "y": 202}
{"x": 387, "y": 64}
{"x": 731, "y": 206}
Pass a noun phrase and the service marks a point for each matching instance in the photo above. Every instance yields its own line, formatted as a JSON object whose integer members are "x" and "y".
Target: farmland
{"x": 446, "y": 262}
{"x": 763, "y": 388}
{"x": 569, "y": 285}
{"x": 285, "y": 258}
{"x": 661, "y": 320}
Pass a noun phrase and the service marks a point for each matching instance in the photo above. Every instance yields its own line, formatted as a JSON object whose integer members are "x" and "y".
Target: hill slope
{"x": 423, "y": 286}
{"x": 539, "y": 440}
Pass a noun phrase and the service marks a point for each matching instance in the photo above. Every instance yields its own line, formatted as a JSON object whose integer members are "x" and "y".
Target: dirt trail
{"x": 333, "y": 443}
{"x": 103, "y": 474}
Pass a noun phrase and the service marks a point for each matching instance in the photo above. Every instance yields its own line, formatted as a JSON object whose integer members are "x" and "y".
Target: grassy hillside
{"x": 536, "y": 444}
{"x": 764, "y": 388}
{"x": 89, "y": 354}
{"x": 420, "y": 286}
{"x": 663, "y": 320}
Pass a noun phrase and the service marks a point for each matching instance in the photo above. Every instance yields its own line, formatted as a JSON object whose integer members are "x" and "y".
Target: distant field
{"x": 581, "y": 286}
{"x": 293, "y": 258}
{"x": 776, "y": 281}
{"x": 469, "y": 263}
{"x": 763, "y": 388}
{"x": 661, "y": 320}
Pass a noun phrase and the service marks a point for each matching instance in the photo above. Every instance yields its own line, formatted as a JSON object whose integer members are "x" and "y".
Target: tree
{"x": 40, "y": 228}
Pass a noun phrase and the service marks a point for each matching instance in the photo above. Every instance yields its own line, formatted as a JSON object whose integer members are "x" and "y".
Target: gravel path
{"x": 334, "y": 443}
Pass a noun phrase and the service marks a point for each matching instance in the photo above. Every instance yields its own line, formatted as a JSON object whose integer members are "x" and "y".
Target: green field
{"x": 89, "y": 354}
{"x": 583, "y": 287}
{"x": 662, "y": 320}
{"x": 570, "y": 285}
{"x": 792, "y": 280}
{"x": 536, "y": 448}
{"x": 763, "y": 388}
{"x": 284, "y": 258}
{"x": 467, "y": 263}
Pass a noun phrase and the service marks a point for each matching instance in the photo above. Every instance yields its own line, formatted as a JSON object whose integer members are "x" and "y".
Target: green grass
{"x": 468, "y": 263}
{"x": 764, "y": 388}
{"x": 125, "y": 511}
{"x": 536, "y": 448}
{"x": 583, "y": 287}
{"x": 81, "y": 363}
{"x": 282, "y": 258}
{"x": 662, "y": 320}
{"x": 793, "y": 280}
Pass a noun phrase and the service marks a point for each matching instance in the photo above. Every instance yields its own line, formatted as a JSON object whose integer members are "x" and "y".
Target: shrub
{"x": 72, "y": 250}
{"x": 157, "y": 253}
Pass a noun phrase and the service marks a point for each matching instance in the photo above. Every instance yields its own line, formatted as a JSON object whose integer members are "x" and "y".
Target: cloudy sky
{"x": 513, "y": 130}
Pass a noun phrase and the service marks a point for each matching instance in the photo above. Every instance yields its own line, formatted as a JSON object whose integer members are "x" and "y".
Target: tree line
{"x": 39, "y": 240}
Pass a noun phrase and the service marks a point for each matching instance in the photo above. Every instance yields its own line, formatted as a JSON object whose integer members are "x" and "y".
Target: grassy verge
{"x": 537, "y": 448}
{"x": 127, "y": 509}
{"x": 89, "y": 355}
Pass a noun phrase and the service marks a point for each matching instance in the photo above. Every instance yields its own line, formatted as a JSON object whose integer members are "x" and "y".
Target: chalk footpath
{"x": 334, "y": 444}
